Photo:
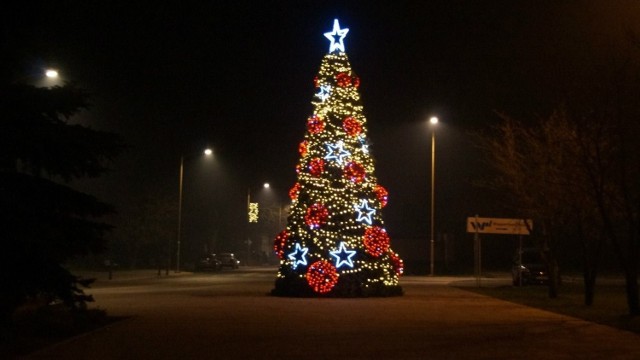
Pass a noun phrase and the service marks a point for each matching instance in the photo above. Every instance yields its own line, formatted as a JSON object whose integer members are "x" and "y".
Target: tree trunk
{"x": 553, "y": 278}
{"x": 589, "y": 284}
{"x": 633, "y": 299}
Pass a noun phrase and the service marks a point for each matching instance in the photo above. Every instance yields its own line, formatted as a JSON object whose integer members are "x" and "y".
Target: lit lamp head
{"x": 208, "y": 152}
{"x": 51, "y": 73}
{"x": 433, "y": 120}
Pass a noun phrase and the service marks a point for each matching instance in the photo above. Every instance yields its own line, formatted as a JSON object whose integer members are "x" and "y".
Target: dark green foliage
{"x": 44, "y": 221}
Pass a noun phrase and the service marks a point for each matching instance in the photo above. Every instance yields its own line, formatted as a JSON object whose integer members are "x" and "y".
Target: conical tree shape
{"x": 335, "y": 243}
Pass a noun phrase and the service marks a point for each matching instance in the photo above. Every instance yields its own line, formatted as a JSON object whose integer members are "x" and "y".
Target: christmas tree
{"x": 335, "y": 242}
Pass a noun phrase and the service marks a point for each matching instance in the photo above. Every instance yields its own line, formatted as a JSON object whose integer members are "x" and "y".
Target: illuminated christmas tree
{"x": 335, "y": 243}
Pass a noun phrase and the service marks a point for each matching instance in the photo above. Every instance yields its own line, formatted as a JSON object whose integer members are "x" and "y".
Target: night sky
{"x": 175, "y": 76}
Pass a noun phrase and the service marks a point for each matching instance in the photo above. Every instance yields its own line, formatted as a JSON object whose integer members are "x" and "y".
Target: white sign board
{"x": 499, "y": 226}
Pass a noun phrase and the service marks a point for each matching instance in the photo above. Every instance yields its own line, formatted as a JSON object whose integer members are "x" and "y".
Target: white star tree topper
{"x": 336, "y": 44}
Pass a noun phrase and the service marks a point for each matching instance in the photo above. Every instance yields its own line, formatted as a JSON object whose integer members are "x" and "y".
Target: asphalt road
{"x": 229, "y": 315}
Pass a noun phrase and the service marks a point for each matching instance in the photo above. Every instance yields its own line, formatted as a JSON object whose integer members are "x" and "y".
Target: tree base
{"x": 298, "y": 287}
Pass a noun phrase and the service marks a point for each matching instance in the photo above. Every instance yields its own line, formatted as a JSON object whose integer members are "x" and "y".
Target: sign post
{"x": 499, "y": 226}
{"x": 478, "y": 225}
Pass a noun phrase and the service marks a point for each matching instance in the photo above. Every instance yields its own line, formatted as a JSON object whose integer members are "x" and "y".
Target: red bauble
{"x": 352, "y": 126}
{"x": 315, "y": 125}
{"x": 295, "y": 190}
{"x": 343, "y": 80}
{"x": 322, "y": 276}
{"x": 396, "y": 262}
{"x": 382, "y": 194}
{"x": 303, "y": 148}
{"x": 376, "y": 241}
{"x": 316, "y": 82}
{"x": 356, "y": 82}
{"x": 354, "y": 172}
{"x": 316, "y": 167}
{"x": 280, "y": 242}
{"x": 316, "y": 216}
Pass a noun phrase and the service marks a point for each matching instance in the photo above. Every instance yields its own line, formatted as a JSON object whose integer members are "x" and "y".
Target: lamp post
{"x": 207, "y": 152}
{"x": 433, "y": 121}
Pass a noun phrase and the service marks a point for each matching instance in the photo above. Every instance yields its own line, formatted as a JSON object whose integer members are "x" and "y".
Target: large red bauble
{"x": 376, "y": 241}
{"x": 356, "y": 82}
{"x": 352, "y": 126}
{"x": 343, "y": 80}
{"x": 316, "y": 167}
{"x": 354, "y": 172}
{"x": 280, "y": 242}
{"x": 316, "y": 216}
{"x": 303, "y": 148}
{"x": 382, "y": 194}
{"x": 295, "y": 190}
{"x": 315, "y": 125}
{"x": 398, "y": 264}
{"x": 322, "y": 276}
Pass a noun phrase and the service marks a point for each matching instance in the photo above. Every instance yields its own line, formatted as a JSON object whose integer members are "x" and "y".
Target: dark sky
{"x": 174, "y": 76}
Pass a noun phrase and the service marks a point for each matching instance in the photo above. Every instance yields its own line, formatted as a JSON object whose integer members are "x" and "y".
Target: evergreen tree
{"x": 335, "y": 243}
{"x": 44, "y": 221}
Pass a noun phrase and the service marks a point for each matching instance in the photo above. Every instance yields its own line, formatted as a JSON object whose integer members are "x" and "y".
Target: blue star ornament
{"x": 324, "y": 93}
{"x": 336, "y": 44}
{"x": 343, "y": 256}
{"x": 298, "y": 256}
{"x": 337, "y": 152}
{"x": 365, "y": 213}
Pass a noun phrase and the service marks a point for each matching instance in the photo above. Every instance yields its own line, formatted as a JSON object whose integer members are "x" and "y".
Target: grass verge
{"x": 36, "y": 326}
{"x": 609, "y": 307}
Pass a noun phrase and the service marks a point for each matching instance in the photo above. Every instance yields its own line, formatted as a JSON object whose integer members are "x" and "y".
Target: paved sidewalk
{"x": 229, "y": 316}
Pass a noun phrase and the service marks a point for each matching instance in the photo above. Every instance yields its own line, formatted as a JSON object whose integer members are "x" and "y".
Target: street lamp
{"x": 51, "y": 73}
{"x": 433, "y": 121}
{"x": 207, "y": 152}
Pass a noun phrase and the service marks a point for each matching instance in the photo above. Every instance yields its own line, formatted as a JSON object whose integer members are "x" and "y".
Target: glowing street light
{"x": 434, "y": 122}
{"x": 51, "y": 73}
{"x": 207, "y": 152}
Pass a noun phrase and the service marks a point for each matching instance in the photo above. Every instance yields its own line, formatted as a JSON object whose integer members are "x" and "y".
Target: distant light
{"x": 208, "y": 152}
{"x": 266, "y": 185}
{"x": 433, "y": 120}
{"x": 52, "y": 74}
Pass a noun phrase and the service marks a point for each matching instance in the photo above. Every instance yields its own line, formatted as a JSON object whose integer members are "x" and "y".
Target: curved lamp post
{"x": 207, "y": 152}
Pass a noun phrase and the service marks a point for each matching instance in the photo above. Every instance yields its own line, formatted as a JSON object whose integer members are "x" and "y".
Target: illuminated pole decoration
{"x": 253, "y": 212}
{"x": 335, "y": 242}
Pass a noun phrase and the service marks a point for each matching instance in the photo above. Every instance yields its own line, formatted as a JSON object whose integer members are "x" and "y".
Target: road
{"x": 229, "y": 315}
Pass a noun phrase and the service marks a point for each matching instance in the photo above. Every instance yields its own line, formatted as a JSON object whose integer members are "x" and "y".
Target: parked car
{"x": 209, "y": 262}
{"x": 529, "y": 268}
{"x": 228, "y": 260}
